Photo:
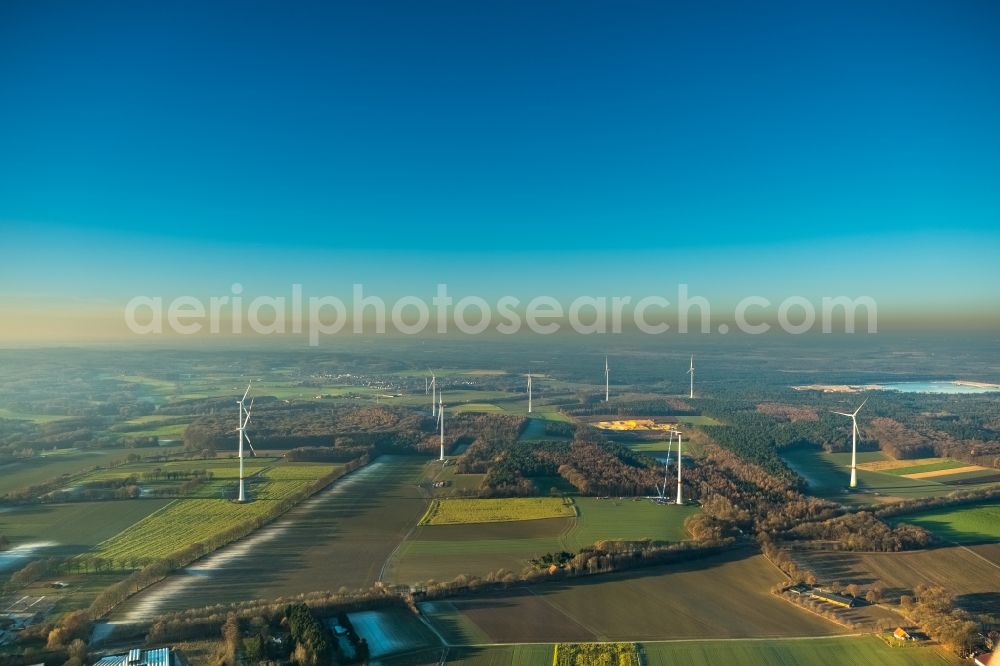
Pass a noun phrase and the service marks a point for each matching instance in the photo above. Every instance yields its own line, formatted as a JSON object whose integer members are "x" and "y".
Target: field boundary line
{"x": 565, "y": 614}
{"x": 430, "y": 503}
{"x": 975, "y": 554}
{"x": 429, "y": 625}
{"x": 675, "y": 640}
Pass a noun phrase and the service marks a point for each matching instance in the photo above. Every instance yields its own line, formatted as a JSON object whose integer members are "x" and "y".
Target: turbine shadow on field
{"x": 339, "y": 537}
{"x": 981, "y": 602}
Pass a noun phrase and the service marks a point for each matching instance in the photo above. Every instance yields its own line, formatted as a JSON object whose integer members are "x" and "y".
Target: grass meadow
{"x": 968, "y": 524}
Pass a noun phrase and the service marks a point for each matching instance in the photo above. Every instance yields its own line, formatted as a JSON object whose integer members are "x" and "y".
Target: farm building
{"x": 139, "y": 657}
{"x": 834, "y": 598}
{"x": 799, "y": 589}
{"x": 902, "y": 634}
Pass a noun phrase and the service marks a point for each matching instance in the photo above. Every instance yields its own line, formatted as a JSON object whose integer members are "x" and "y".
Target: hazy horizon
{"x": 506, "y": 149}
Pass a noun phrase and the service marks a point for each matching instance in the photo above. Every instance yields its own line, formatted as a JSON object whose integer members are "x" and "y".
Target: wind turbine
{"x": 680, "y": 496}
{"x": 529, "y": 392}
{"x": 244, "y": 421}
{"x": 854, "y": 442}
{"x": 691, "y": 372}
{"x": 670, "y": 443}
{"x": 440, "y": 415}
{"x": 433, "y": 394}
{"x": 607, "y": 381}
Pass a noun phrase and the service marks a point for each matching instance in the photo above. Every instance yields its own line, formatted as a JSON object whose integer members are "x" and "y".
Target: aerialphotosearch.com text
{"x": 366, "y": 314}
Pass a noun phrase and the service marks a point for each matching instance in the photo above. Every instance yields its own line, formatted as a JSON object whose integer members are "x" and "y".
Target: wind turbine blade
{"x": 859, "y": 407}
{"x": 247, "y": 392}
{"x": 843, "y": 414}
{"x": 247, "y": 438}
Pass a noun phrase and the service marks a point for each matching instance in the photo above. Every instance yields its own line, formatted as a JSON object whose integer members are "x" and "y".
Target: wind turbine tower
{"x": 680, "y": 496}
{"x": 691, "y": 372}
{"x": 854, "y": 442}
{"x": 529, "y": 392}
{"x": 244, "y": 420}
{"x": 440, "y": 414}
{"x": 607, "y": 381}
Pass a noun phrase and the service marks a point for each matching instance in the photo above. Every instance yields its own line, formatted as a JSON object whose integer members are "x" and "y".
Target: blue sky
{"x": 503, "y": 147}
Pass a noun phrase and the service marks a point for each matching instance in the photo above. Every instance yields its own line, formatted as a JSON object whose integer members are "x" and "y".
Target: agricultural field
{"x": 222, "y": 469}
{"x": 339, "y": 537}
{"x": 830, "y": 651}
{"x": 392, "y": 631}
{"x": 970, "y": 576}
{"x": 457, "y": 484}
{"x": 923, "y": 465}
{"x": 723, "y": 596}
{"x": 477, "y": 408}
{"x": 596, "y": 654}
{"x": 157, "y": 536}
{"x": 29, "y": 416}
{"x": 165, "y": 429}
{"x": 828, "y": 475}
{"x": 661, "y": 447}
{"x": 507, "y": 655}
{"x": 51, "y": 465}
{"x": 441, "y": 552}
{"x": 67, "y": 529}
{"x": 626, "y": 519}
{"x": 968, "y": 524}
{"x": 464, "y": 511}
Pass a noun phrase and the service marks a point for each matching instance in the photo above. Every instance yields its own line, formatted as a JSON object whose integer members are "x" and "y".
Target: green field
{"x": 72, "y": 528}
{"x": 161, "y": 429}
{"x": 928, "y": 467}
{"x": 478, "y": 408}
{"x": 699, "y": 420}
{"x": 464, "y": 511}
{"x": 158, "y": 536}
{"x": 442, "y": 552}
{"x": 33, "y": 471}
{"x": 717, "y": 597}
{"x": 26, "y": 416}
{"x": 968, "y": 524}
{"x": 627, "y": 520}
{"x": 506, "y": 655}
{"x": 787, "y": 652}
{"x": 828, "y": 476}
{"x": 221, "y": 468}
{"x": 830, "y": 651}
{"x": 458, "y": 484}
